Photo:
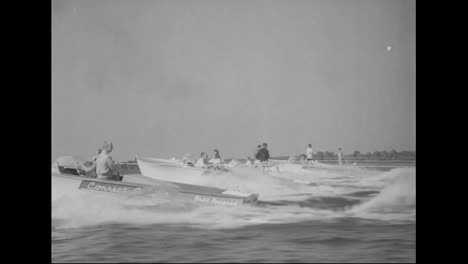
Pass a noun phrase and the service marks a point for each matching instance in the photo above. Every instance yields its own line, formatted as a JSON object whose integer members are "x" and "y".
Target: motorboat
{"x": 68, "y": 179}
{"x": 171, "y": 171}
{"x": 178, "y": 172}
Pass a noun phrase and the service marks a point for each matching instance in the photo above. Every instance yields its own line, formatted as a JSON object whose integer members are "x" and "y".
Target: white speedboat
{"x": 168, "y": 170}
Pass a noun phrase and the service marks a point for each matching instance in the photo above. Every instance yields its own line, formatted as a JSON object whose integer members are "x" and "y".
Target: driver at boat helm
{"x": 104, "y": 162}
{"x": 263, "y": 155}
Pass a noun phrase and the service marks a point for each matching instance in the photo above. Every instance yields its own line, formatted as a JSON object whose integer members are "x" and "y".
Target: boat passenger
{"x": 263, "y": 155}
{"x": 104, "y": 162}
{"x": 309, "y": 154}
{"x": 202, "y": 161}
{"x": 216, "y": 159}
{"x": 259, "y": 147}
{"x": 340, "y": 157}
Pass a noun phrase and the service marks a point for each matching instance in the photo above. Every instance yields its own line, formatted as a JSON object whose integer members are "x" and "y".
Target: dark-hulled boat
{"x": 67, "y": 179}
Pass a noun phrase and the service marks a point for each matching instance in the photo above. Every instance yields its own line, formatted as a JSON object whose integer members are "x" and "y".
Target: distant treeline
{"x": 376, "y": 155}
{"x": 357, "y": 155}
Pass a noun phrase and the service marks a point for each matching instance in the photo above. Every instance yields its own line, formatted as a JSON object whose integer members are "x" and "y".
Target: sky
{"x": 166, "y": 78}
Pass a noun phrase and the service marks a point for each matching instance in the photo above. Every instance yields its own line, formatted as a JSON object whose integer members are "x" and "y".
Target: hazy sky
{"x": 164, "y": 78}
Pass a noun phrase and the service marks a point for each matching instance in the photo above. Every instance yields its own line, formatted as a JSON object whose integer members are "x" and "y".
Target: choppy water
{"x": 343, "y": 215}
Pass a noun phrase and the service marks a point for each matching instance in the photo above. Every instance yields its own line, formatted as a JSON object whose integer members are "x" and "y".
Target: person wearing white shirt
{"x": 216, "y": 159}
{"x": 201, "y": 162}
{"x": 309, "y": 154}
{"x": 340, "y": 157}
{"x": 104, "y": 163}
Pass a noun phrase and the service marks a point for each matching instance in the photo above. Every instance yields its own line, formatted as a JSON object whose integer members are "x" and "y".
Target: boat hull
{"x": 170, "y": 171}
{"x": 66, "y": 185}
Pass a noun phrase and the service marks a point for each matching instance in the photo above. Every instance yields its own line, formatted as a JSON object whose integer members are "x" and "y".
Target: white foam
{"x": 395, "y": 200}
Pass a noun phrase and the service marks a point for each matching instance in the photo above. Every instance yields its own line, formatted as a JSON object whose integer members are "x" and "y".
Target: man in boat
{"x": 202, "y": 161}
{"x": 216, "y": 160}
{"x": 104, "y": 162}
{"x": 259, "y": 147}
{"x": 256, "y": 161}
{"x": 309, "y": 154}
{"x": 340, "y": 157}
{"x": 263, "y": 155}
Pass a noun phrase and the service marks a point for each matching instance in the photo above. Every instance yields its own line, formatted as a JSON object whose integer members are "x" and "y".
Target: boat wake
{"x": 354, "y": 193}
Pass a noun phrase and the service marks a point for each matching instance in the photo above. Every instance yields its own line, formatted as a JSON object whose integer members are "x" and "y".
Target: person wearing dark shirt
{"x": 263, "y": 155}
{"x": 259, "y": 147}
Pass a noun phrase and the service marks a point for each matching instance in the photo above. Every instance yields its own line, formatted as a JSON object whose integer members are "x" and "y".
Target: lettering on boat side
{"x": 107, "y": 187}
{"x": 213, "y": 200}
